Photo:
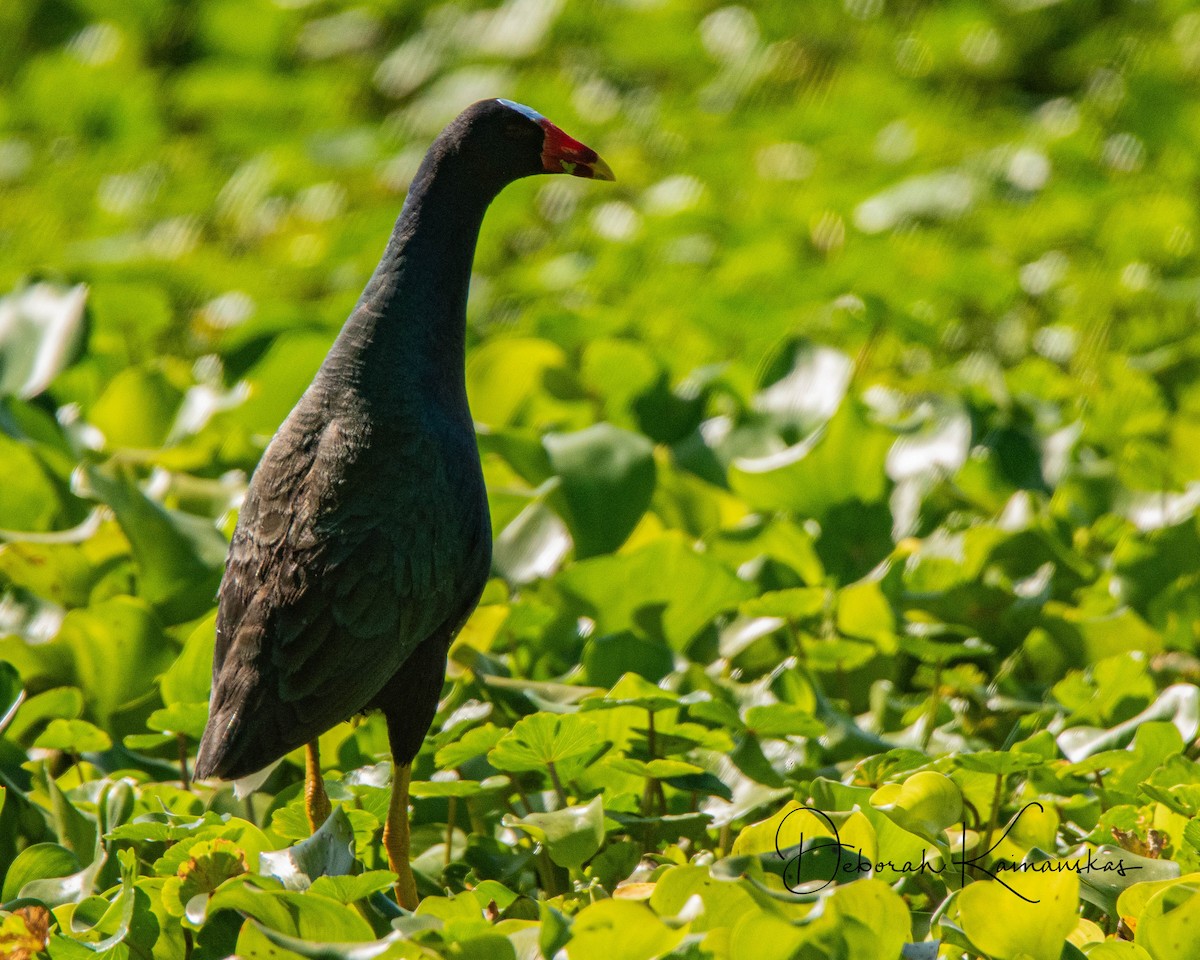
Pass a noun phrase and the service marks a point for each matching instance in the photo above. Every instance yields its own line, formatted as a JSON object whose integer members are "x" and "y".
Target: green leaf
{"x": 41, "y": 327}
{"x": 1001, "y": 921}
{"x": 42, "y": 861}
{"x": 60, "y": 702}
{"x": 633, "y": 690}
{"x": 619, "y": 930}
{"x": 74, "y": 736}
{"x": 926, "y": 803}
{"x": 540, "y": 739}
{"x": 189, "y": 678}
{"x": 609, "y": 656}
{"x": 608, "y": 479}
{"x": 329, "y": 851}
{"x": 471, "y": 744}
{"x": 724, "y": 903}
{"x": 350, "y": 889}
{"x": 118, "y": 648}
{"x": 875, "y": 919}
{"x": 842, "y": 462}
{"x": 304, "y": 915}
{"x": 571, "y": 835}
{"x": 863, "y": 611}
{"x": 12, "y": 693}
{"x": 783, "y": 720}
{"x": 186, "y": 718}
{"x": 1167, "y": 927}
{"x": 690, "y": 588}
{"x": 504, "y": 374}
{"x": 136, "y": 409}
{"x": 34, "y": 500}
{"x": 179, "y": 556}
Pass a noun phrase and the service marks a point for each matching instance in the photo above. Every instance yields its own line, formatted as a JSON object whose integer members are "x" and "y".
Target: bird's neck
{"x": 405, "y": 341}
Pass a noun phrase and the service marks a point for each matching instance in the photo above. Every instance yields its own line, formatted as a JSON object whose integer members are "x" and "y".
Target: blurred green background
{"x": 1010, "y": 182}
{"x": 867, "y": 395}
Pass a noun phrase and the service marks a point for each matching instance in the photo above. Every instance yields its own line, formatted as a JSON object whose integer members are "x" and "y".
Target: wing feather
{"x": 345, "y": 559}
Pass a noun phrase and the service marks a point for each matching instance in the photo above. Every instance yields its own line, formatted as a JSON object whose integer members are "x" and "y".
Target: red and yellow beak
{"x": 563, "y": 154}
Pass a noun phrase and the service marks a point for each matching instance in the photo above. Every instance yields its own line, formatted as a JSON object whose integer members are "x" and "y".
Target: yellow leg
{"x": 395, "y": 839}
{"x": 316, "y": 800}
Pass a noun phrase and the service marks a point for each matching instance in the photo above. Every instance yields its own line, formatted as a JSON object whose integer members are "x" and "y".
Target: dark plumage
{"x": 364, "y": 540}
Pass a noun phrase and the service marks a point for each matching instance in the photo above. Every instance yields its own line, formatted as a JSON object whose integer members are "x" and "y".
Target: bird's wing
{"x": 341, "y": 565}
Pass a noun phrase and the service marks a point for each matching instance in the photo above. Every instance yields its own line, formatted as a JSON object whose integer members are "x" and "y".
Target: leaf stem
{"x": 451, "y": 812}
{"x": 558, "y": 787}
{"x": 994, "y": 818}
{"x": 184, "y": 780}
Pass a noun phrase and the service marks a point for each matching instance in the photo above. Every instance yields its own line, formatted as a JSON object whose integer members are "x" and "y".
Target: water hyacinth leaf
{"x": 863, "y": 611}
{"x": 41, "y": 327}
{"x": 58, "y": 572}
{"x": 876, "y": 919}
{"x": 73, "y": 736}
{"x": 768, "y": 936}
{"x": 34, "y": 499}
{"x": 925, "y": 803}
{"x": 1113, "y": 870}
{"x": 503, "y": 376}
{"x": 454, "y": 788}
{"x": 471, "y": 744}
{"x": 317, "y": 950}
{"x": 782, "y": 720}
{"x": 42, "y": 861}
{"x": 793, "y": 605}
{"x": 642, "y": 935}
{"x": 184, "y": 718}
{"x": 1000, "y": 763}
{"x": 329, "y": 851}
{"x": 633, "y": 690}
{"x": 571, "y": 835}
{"x": 659, "y": 769}
{"x": 1166, "y": 927}
{"x": 842, "y": 462}
{"x": 12, "y": 693}
{"x": 667, "y": 574}
{"x": 180, "y": 557}
{"x": 608, "y": 477}
{"x": 541, "y": 739}
{"x": 724, "y": 903}
{"x": 64, "y": 703}
{"x": 209, "y": 864}
{"x": 112, "y": 919}
{"x": 303, "y": 915}
{"x": 71, "y": 888}
{"x": 136, "y": 409}
{"x": 277, "y": 379}
{"x": 118, "y": 647}
{"x": 346, "y": 889}
{"x": 1116, "y": 950}
{"x": 1032, "y": 922}
{"x": 533, "y": 545}
{"x": 607, "y": 657}
{"x": 189, "y": 678}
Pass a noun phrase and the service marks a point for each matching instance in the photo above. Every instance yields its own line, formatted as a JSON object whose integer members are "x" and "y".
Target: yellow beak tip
{"x": 601, "y": 170}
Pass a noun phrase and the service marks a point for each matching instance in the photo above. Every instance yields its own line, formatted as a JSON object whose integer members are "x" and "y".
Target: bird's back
{"x": 364, "y": 533}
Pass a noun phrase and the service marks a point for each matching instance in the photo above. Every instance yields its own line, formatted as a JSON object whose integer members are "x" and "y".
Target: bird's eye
{"x": 517, "y": 130}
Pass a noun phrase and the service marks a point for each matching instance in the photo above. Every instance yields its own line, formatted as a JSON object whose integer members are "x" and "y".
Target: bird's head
{"x": 517, "y": 141}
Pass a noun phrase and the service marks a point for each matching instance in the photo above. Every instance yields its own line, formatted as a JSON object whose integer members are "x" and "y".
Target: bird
{"x": 363, "y": 542}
